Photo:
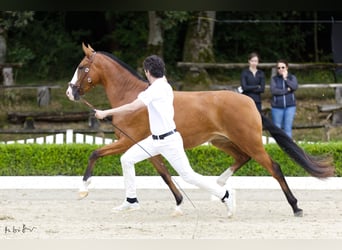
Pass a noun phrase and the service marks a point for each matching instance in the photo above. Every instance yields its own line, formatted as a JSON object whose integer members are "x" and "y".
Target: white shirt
{"x": 158, "y": 98}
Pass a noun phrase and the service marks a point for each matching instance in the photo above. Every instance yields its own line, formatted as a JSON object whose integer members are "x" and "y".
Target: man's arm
{"x": 127, "y": 108}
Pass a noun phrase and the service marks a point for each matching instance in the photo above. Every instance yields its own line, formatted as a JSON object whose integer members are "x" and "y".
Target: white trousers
{"x": 171, "y": 147}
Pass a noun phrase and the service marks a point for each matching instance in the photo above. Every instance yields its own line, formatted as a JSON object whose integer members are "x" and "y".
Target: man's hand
{"x": 100, "y": 114}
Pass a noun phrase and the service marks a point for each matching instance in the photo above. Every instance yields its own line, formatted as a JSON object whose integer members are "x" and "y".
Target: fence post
{"x": 98, "y": 140}
{"x": 273, "y": 72}
{"x": 59, "y": 138}
{"x": 69, "y": 136}
{"x": 43, "y": 96}
{"x": 40, "y": 140}
{"x": 79, "y": 138}
{"x": 49, "y": 139}
{"x": 338, "y": 95}
{"x": 89, "y": 139}
{"x": 8, "y": 76}
{"x": 31, "y": 140}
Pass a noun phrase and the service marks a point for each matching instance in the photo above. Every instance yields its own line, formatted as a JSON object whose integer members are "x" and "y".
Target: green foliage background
{"x": 49, "y": 44}
{"x": 72, "y": 159}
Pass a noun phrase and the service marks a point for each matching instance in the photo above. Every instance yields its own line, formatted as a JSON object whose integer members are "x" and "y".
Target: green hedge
{"x": 72, "y": 159}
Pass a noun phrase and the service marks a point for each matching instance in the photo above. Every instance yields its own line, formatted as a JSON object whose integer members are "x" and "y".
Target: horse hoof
{"x": 178, "y": 212}
{"x": 299, "y": 213}
{"x": 82, "y": 194}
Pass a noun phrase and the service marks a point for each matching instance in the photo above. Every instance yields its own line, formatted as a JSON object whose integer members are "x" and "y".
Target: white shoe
{"x": 126, "y": 206}
{"x": 229, "y": 202}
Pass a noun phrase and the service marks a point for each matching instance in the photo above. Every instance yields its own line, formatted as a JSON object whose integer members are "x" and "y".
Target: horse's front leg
{"x": 159, "y": 165}
{"x": 117, "y": 147}
{"x": 84, "y": 191}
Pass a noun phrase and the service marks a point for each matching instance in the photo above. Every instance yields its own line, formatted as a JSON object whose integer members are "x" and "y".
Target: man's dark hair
{"x": 155, "y": 65}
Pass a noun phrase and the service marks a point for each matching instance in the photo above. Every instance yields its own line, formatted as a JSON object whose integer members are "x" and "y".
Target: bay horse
{"x": 226, "y": 119}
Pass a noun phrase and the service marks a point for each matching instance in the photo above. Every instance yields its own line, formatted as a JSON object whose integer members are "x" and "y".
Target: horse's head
{"x": 84, "y": 77}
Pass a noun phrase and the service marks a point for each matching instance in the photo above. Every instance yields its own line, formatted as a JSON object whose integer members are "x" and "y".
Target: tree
{"x": 159, "y": 22}
{"x": 198, "y": 46}
{"x": 155, "y": 34}
{"x": 8, "y": 20}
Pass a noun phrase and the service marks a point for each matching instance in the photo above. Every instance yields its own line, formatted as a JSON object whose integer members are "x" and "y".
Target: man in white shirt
{"x": 165, "y": 139}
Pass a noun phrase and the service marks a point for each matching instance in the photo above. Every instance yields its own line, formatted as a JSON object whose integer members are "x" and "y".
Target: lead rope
{"x": 137, "y": 143}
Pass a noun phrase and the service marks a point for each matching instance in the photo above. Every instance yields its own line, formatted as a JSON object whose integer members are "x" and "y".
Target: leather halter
{"x": 86, "y": 70}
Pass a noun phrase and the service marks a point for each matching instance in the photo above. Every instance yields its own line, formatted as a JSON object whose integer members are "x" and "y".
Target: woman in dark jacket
{"x": 283, "y": 87}
{"x": 253, "y": 80}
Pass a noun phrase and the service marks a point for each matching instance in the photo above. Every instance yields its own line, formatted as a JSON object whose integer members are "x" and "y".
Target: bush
{"x": 72, "y": 159}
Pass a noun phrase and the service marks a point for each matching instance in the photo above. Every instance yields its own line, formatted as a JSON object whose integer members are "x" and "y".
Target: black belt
{"x": 161, "y": 137}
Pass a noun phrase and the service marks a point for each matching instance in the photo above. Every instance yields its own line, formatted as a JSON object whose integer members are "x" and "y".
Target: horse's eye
{"x": 80, "y": 67}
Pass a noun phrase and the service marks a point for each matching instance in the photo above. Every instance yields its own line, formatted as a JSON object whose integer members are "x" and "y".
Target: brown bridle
{"x": 79, "y": 87}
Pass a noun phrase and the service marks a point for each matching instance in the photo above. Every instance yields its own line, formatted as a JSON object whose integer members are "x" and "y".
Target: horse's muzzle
{"x": 72, "y": 92}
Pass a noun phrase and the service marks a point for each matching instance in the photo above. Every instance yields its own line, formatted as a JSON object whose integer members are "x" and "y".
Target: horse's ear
{"x": 91, "y": 48}
{"x": 88, "y": 51}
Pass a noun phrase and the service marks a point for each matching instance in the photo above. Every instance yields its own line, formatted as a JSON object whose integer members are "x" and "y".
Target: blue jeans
{"x": 283, "y": 118}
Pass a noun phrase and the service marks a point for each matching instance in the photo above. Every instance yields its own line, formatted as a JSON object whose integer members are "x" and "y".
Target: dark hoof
{"x": 179, "y": 200}
{"x": 298, "y": 213}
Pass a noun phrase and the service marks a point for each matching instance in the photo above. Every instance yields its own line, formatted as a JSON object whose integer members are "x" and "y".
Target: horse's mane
{"x": 123, "y": 64}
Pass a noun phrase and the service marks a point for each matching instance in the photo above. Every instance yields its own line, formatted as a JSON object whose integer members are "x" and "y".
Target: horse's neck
{"x": 121, "y": 86}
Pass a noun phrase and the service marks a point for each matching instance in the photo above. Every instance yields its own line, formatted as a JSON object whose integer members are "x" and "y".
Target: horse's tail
{"x": 316, "y": 166}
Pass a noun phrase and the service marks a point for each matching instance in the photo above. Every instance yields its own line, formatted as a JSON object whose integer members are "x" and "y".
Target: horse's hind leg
{"x": 284, "y": 186}
{"x": 265, "y": 160}
{"x": 239, "y": 156}
{"x": 255, "y": 149}
{"x": 158, "y": 163}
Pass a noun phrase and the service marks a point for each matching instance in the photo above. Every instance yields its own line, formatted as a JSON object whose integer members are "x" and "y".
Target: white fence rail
{"x": 70, "y": 137}
{"x": 64, "y": 138}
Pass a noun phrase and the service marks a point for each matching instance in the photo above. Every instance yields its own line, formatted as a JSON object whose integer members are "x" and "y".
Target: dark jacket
{"x": 281, "y": 96}
{"x": 253, "y": 86}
